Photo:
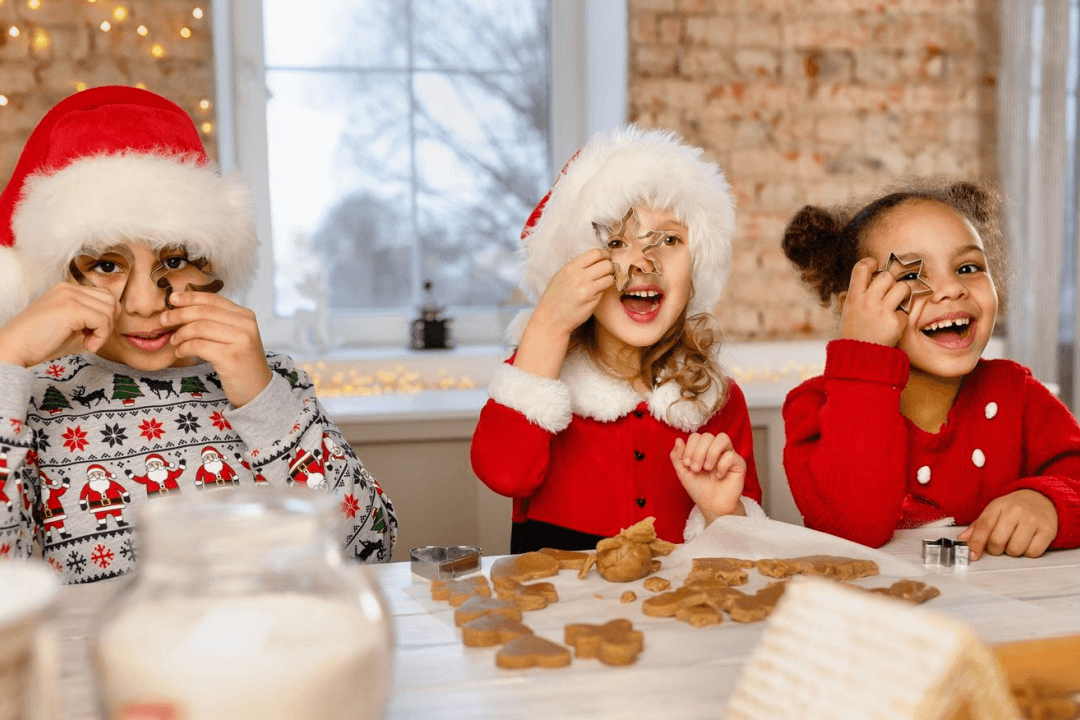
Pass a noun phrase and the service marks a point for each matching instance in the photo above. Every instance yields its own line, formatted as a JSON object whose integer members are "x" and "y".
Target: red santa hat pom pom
{"x": 115, "y": 164}
{"x": 628, "y": 167}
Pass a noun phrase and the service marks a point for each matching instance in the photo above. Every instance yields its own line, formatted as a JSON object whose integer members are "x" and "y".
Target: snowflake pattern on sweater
{"x": 84, "y": 440}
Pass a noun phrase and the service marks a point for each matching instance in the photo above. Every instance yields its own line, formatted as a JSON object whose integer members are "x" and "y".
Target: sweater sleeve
{"x": 845, "y": 454}
{"x": 290, "y": 439}
{"x": 1052, "y": 458}
{"x": 18, "y": 472}
{"x": 512, "y": 441}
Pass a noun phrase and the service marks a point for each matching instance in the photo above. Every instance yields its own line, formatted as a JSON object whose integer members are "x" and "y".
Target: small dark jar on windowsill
{"x": 431, "y": 331}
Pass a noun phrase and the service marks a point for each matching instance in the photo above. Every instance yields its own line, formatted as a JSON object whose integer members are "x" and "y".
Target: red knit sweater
{"x": 857, "y": 467}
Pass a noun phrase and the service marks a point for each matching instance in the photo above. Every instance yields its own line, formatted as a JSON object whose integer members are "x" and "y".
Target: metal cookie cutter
{"x": 445, "y": 562}
{"x": 945, "y": 552}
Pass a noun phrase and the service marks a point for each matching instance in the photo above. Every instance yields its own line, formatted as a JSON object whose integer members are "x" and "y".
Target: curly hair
{"x": 683, "y": 354}
{"x": 825, "y": 243}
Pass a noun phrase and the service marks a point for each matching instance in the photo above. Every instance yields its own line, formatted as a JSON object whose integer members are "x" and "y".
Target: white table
{"x": 683, "y": 672}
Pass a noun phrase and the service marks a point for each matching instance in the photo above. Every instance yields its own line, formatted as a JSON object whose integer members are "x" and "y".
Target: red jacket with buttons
{"x": 859, "y": 469}
{"x": 598, "y": 476}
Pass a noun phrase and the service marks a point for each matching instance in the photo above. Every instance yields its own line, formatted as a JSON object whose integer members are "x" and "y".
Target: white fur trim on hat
{"x": 543, "y": 401}
{"x": 631, "y": 166}
{"x": 107, "y": 199}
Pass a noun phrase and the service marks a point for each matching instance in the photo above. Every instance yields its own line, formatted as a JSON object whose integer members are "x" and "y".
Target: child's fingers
{"x": 999, "y": 537}
{"x": 897, "y": 294}
{"x": 1040, "y": 542}
{"x": 862, "y": 274}
{"x": 728, "y": 462}
{"x": 720, "y": 444}
{"x": 979, "y": 531}
{"x": 1020, "y": 540}
{"x": 697, "y": 448}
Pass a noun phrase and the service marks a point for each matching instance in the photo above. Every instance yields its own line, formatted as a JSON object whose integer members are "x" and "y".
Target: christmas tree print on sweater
{"x": 99, "y": 439}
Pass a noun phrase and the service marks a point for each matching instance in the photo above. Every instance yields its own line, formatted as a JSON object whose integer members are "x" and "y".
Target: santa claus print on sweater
{"x": 214, "y": 470}
{"x": 103, "y": 497}
{"x": 160, "y": 476}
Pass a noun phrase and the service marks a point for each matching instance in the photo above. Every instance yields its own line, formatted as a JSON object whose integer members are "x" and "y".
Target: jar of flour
{"x": 244, "y": 608}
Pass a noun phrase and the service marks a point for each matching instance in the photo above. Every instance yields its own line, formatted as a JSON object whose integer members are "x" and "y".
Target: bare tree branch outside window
{"x": 408, "y": 142}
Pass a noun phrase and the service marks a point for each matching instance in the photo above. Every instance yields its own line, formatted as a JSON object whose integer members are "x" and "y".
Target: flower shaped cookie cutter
{"x": 945, "y": 552}
{"x": 445, "y": 562}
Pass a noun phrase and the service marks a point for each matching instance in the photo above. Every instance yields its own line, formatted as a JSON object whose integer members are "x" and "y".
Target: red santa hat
{"x": 115, "y": 164}
{"x": 628, "y": 167}
{"x": 209, "y": 449}
{"x": 152, "y": 457}
{"x": 99, "y": 468}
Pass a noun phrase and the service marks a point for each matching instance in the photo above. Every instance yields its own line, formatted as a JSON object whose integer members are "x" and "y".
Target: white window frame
{"x": 589, "y": 81}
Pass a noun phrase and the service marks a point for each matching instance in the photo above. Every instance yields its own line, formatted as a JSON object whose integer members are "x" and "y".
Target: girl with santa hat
{"x": 614, "y": 407}
{"x": 116, "y": 234}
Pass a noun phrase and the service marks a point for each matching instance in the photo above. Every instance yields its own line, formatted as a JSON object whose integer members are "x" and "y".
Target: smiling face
{"x": 948, "y": 328}
{"x": 640, "y": 314}
{"x": 130, "y": 271}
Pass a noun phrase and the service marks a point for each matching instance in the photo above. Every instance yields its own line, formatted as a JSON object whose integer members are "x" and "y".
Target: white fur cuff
{"x": 543, "y": 401}
{"x": 695, "y": 523}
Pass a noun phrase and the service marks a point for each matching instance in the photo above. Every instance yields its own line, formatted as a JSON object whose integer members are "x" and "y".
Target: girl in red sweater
{"x": 614, "y": 408}
{"x": 908, "y": 425}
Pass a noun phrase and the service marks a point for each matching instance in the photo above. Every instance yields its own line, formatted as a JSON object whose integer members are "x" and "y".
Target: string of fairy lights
{"x": 114, "y": 17}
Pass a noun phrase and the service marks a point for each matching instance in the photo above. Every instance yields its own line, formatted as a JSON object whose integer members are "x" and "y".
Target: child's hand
{"x": 1024, "y": 522}
{"x": 870, "y": 307}
{"x": 712, "y": 473}
{"x": 67, "y": 318}
{"x": 223, "y": 334}
{"x": 575, "y": 291}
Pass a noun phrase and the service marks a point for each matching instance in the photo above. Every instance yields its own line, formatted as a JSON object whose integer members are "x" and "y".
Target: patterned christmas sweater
{"x": 83, "y": 440}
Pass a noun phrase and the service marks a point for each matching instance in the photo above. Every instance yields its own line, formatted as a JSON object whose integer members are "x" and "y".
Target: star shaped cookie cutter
{"x": 607, "y": 233}
{"x": 442, "y": 562}
{"x": 945, "y": 552}
{"x": 918, "y": 285}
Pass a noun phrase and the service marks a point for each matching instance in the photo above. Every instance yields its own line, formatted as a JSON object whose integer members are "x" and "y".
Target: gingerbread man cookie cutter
{"x": 917, "y": 285}
{"x": 442, "y": 562}
{"x": 606, "y": 234}
{"x": 945, "y": 552}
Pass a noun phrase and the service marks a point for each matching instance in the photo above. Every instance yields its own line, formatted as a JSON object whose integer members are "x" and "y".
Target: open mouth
{"x": 950, "y": 332}
{"x": 642, "y": 304}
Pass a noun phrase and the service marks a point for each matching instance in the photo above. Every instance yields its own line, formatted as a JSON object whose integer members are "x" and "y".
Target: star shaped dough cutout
{"x": 607, "y": 233}
{"x": 918, "y": 286}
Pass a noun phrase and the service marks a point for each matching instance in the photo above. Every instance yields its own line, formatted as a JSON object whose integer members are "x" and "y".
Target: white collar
{"x": 597, "y": 395}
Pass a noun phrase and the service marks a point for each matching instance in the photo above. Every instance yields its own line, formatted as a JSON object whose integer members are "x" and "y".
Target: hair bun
{"x": 812, "y": 243}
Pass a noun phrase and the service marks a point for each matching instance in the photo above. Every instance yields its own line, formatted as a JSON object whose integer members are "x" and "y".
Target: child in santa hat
{"x": 614, "y": 407}
{"x": 116, "y": 232}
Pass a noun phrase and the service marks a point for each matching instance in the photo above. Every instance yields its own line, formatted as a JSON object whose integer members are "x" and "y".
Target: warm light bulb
{"x": 142, "y": 30}
{"x": 197, "y": 13}
{"x": 33, "y": 4}
{"x": 185, "y": 32}
{"x": 13, "y": 31}
{"x": 157, "y": 50}
{"x": 41, "y": 40}
{"x": 3, "y": 100}
{"x": 120, "y": 13}
{"x": 106, "y": 26}
{"x": 204, "y": 104}
{"x": 80, "y": 86}
{"x": 207, "y": 127}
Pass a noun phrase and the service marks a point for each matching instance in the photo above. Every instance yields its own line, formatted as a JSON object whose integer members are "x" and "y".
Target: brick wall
{"x": 61, "y": 46}
{"x": 812, "y": 101}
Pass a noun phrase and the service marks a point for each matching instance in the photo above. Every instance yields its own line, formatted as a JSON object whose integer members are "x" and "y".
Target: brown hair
{"x": 825, "y": 243}
{"x": 684, "y": 354}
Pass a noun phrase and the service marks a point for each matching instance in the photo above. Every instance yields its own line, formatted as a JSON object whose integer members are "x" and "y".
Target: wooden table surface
{"x": 683, "y": 672}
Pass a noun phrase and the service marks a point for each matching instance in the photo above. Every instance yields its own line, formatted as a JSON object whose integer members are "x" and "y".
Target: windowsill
{"x": 451, "y": 385}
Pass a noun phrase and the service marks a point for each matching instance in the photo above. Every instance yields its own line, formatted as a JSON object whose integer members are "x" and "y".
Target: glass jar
{"x": 244, "y": 607}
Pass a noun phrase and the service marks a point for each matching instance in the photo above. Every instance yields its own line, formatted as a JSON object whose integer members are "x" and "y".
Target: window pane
{"x": 334, "y": 33}
{"x": 408, "y": 142}
{"x": 339, "y": 192}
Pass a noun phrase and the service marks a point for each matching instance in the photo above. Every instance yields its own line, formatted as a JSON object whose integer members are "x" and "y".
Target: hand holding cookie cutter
{"x": 606, "y": 234}
{"x": 945, "y": 552}
{"x": 173, "y": 267}
{"x": 441, "y": 562}
{"x": 918, "y": 285}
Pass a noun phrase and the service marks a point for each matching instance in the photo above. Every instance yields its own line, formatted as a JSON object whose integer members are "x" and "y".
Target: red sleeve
{"x": 1052, "y": 457}
{"x": 846, "y": 446}
{"x": 734, "y": 419}
{"x": 509, "y": 454}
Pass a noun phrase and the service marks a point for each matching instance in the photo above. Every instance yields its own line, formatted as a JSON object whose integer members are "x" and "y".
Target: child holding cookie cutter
{"x": 614, "y": 407}
{"x": 125, "y": 376}
{"x": 909, "y": 426}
